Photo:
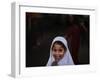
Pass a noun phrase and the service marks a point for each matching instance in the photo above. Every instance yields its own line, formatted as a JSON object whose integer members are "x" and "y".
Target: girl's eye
{"x": 60, "y": 50}
{"x": 54, "y": 50}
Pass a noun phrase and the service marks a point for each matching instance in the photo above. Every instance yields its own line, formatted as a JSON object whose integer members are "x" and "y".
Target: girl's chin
{"x": 58, "y": 58}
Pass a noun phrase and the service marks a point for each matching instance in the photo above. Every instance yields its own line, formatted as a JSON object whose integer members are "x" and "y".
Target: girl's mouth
{"x": 57, "y": 58}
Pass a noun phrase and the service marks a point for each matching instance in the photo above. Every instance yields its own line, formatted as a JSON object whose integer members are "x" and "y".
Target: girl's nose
{"x": 57, "y": 52}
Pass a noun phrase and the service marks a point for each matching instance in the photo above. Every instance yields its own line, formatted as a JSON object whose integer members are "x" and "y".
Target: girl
{"x": 59, "y": 53}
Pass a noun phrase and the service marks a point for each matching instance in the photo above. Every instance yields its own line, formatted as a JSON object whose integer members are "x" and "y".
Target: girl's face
{"x": 58, "y": 51}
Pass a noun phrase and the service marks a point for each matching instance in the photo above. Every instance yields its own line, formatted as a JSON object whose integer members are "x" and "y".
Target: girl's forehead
{"x": 58, "y": 45}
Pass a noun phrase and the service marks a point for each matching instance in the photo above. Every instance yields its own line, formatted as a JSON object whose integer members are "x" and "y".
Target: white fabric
{"x": 67, "y": 59}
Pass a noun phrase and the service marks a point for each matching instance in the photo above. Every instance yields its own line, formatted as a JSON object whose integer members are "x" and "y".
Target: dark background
{"x": 42, "y": 28}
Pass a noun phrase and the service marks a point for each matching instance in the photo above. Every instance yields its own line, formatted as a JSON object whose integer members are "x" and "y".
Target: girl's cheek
{"x": 61, "y": 53}
{"x": 53, "y": 52}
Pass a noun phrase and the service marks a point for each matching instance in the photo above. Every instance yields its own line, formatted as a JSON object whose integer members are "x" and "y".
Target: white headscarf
{"x": 67, "y": 59}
